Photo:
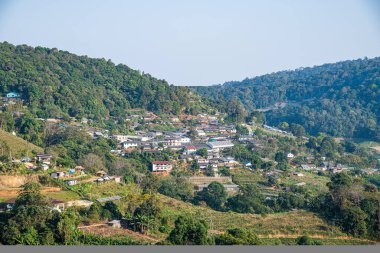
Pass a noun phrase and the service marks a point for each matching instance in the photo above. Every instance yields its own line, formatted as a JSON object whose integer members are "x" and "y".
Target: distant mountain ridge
{"x": 341, "y": 99}
{"x": 54, "y": 82}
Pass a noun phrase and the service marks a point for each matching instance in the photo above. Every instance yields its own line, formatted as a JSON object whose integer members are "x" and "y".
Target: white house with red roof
{"x": 190, "y": 149}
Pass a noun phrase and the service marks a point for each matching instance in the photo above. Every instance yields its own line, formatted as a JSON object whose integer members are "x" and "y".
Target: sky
{"x": 199, "y": 42}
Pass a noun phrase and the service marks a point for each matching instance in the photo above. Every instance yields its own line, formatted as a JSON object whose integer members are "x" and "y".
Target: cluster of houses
{"x": 326, "y": 166}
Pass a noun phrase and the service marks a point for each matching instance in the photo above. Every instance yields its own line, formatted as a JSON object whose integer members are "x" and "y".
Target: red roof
{"x": 160, "y": 162}
{"x": 190, "y": 147}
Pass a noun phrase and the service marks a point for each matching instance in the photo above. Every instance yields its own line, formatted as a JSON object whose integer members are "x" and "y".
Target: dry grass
{"x": 295, "y": 222}
{"x": 17, "y": 145}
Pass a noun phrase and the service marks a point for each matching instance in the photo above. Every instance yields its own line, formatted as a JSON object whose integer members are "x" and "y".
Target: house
{"x": 12, "y": 95}
{"x": 201, "y": 133}
{"x": 172, "y": 142}
{"x": 190, "y": 149}
{"x": 99, "y": 180}
{"x": 113, "y": 198}
{"x": 203, "y": 160}
{"x": 44, "y": 167}
{"x": 218, "y": 145}
{"x": 298, "y": 174}
{"x": 338, "y": 168}
{"x": 58, "y": 174}
{"x": 101, "y": 173}
{"x": 130, "y": 144}
{"x": 71, "y": 182}
{"x": 44, "y": 158}
{"x": 290, "y": 155}
{"x": 184, "y": 139}
{"x": 161, "y": 166}
{"x": 80, "y": 203}
{"x": 115, "y": 223}
{"x": 245, "y": 138}
{"x": 228, "y": 160}
{"x": 231, "y": 188}
{"x": 80, "y": 169}
{"x": 247, "y": 164}
{"x": 116, "y": 179}
{"x": 122, "y": 138}
{"x": 307, "y": 167}
{"x": 300, "y": 184}
{"x": 203, "y": 165}
{"x": 55, "y": 204}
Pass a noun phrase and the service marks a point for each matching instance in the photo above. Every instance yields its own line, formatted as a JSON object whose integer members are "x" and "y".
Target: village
{"x": 199, "y": 149}
{"x": 200, "y": 141}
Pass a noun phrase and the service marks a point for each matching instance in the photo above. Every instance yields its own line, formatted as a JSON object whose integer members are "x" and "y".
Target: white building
{"x": 290, "y": 155}
{"x": 130, "y": 144}
{"x": 201, "y": 133}
{"x": 161, "y": 166}
{"x": 185, "y": 140}
{"x": 217, "y": 145}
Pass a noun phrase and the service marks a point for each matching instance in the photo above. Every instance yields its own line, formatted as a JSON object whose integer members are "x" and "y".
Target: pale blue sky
{"x": 199, "y": 42}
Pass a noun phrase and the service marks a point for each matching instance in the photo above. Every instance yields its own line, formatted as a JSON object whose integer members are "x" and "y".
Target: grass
{"x": 19, "y": 146}
{"x": 324, "y": 241}
{"x": 313, "y": 181}
{"x": 277, "y": 228}
{"x": 62, "y": 195}
{"x": 295, "y": 222}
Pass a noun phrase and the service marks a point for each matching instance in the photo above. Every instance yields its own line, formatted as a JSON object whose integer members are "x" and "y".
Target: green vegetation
{"x": 341, "y": 99}
{"x": 350, "y": 205}
{"x": 14, "y": 146}
{"x": 58, "y": 83}
{"x": 188, "y": 231}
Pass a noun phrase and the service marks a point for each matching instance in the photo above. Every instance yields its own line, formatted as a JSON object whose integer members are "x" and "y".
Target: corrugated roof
{"x": 113, "y": 198}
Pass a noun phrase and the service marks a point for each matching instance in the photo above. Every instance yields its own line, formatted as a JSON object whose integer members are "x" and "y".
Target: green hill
{"x": 58, "y": 83}
{"x": 341, "y": 99}
{"x": 17, "y": 145}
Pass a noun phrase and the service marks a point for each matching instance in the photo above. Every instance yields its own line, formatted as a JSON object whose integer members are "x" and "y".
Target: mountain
{"x": 58, "y": 83}
{"x": 341, "y": 99}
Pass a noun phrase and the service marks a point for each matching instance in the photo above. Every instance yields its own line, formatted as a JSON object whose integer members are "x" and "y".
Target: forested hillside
{"x": 58, "y": 83}
{"x": 341, "y": 99}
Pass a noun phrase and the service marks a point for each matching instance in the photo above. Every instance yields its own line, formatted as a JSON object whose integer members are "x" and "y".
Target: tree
{"x": 225, "y": 171}
{"x": 92, "y": 163}
{"x": 148, "y": 212}
{"x": 188, "y": 231}
{"x": 214, "y": 195}
{"x": 210, "y": 171}
{"x": 237, "y": 236}
{"x": 248, "y": 200}
{"x": 354, "y": 221}
{"x": 177, "y": 188}
{"x": 202, "y": 152}
{"x": 280, "y": 157}
{"x": 305, "y": 240}
{"x": 149, "y": 183}
{"x": 242, "y": 130}
{"x": 113, "y": 209}
{"x": 235, "y": 111}
{"x": 195, "y": 166}
{"x": 297, "y": 130}
{"x": 32, "y": 221}
{"x": 284, "y": 125}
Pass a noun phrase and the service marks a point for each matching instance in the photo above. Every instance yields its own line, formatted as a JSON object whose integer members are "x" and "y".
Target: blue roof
{"x": 12, "y": 94}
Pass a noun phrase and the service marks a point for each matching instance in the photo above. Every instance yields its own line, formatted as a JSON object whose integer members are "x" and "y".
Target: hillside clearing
{"x": 19, "y": 146}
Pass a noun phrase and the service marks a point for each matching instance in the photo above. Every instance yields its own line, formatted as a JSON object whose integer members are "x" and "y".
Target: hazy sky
{"x": 199, "y": 42}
